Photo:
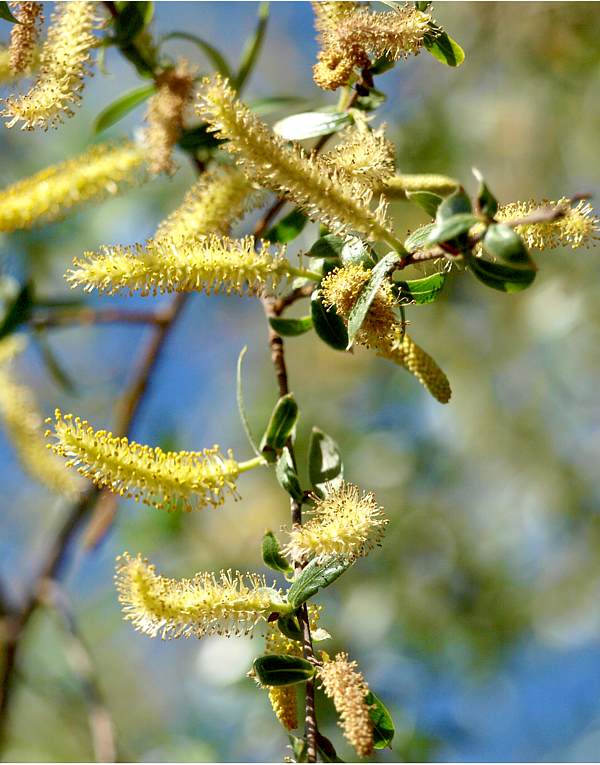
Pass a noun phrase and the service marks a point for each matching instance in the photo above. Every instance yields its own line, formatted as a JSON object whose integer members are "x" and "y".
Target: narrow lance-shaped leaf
{"x": 315, "y": 577}
{"x": 325, "y": 466}
{"x": 271, "y": 554}
{"x": 19, "y": 311}
{"x": 443, "y": 47}
{"x": 283, "y": 420}
{"x": 276, "y": 669}
{"x": 330, "y": 327}
{"x": 215, "y": 57}
{"x": 421, "y": 291}
{"x": 6, "y": 14}
{"x": 383, "y": 725}
{"x": 368, "y": 292}
{"x": 287, "y": 476}
{"x": 299, "y": 127}
{"x": 241, "y": 405}
{"x": 252, "y": 48}
{"x": 121, "y": 107}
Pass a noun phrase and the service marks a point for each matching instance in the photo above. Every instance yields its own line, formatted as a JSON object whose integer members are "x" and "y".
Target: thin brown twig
{"x": 51, "y": 319}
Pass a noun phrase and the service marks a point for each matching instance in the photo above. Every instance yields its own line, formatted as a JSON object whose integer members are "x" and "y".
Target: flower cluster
{"x": 47, "y": 195}
{"x": 64, "y": 63}
{"x": 285, "y": 168}
{"x": 578, "y": 228}
{"x": 22, "y": 422}
{"x": 363, "y": 155}
{"x": 209, "y": 263}
{"x": 344, "y": 523}
{"x": 345, "y": 685}
{"x": 349, "y": 33}
{"x": 160, "y": 479}
{"x": 165, "y": 115}
{"x": 24, "y": 35}
{"x": 230, "y": 603}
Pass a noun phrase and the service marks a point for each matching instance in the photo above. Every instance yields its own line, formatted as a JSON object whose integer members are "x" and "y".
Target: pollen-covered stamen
{"x": 228, "y": 603}
{"x": 65, "y": 61}
{"x": 148, "y": 474}
{"x": 345, "y": 523}
{"x": 48, "y": 195}
{"x": 24, "y": 35}
{"x": 580, "y": 227}
{"x": 345, "y": 685}
{"x": 365, "y": 156}
{"x": 210, "y": 264}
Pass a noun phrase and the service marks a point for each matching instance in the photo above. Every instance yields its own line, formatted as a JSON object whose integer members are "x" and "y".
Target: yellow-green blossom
{"x": 578, "y": 228}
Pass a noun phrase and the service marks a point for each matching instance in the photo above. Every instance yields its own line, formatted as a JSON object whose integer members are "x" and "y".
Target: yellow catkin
{"x": 364, "y": 155}
{"x": 22, "y": 423}
{"x": 65, "y": 61}
{"x": 165, "y": 115}
{"x": 47, "y": 196}
{"x": 344, "y": 523}
{"x": 7, "y": 76}
{"x": 284, "y": 702}
{"x": 578, "y": 228}
{"x": 228, "y": 603}
{"x": 165, "y": 480}
{"x": 344, "y": 684}
{"x": 24, "y": 35}
{"x": 403, "y": 350}
{"x": 348, "y": 33}
{"x": 210, "y": 264}
{"x": 381, "y": 329}
{"x": 285, "y": 168}
{"x": 213, "y": 204}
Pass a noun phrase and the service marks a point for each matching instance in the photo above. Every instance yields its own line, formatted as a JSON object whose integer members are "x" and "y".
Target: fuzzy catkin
{"x": 24, "y": 35}
{"x": 228, "y": 603}
{"x": 284, "y": 168}
{"x": 344, "y": 684}
{"x": 65, "y": 61}
{"x": 165, "y": 116}
{"x": 165, "y": 480}
{"x": 365, "y": 156}
{"x": 48, "y": 195}
{"x": 210, "y": 264}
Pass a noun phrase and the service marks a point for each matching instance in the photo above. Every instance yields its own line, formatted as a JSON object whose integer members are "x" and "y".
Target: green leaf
{"x": 328, "y": 247}
{"x": 299, "y": 127}
{"x": 240, "y": 402}
{"x": 315, "y": 577}
{"x": 456, "y": 203}
{"x": 288, "y": 626}
{"x": 383, "y": 725}
{"x": 443, "y": 47}
{"x": 382, "y": 64}
{"x": 325, "y": 466}
{"x": 299, "y": 748}
{"x": 288, "y": 227}
{"x": 132, "y": 18}
{"x": 501, "y": 277}
{"x": 252, "y": 48}
{"x": 121, "y": 107}
{"x": 418, "y": 239}
{"x": 276, "y": 669}
{"x": 421, "y": 291}
{"x": 6, "y": 14}
{"x": 355, "y": 251}
{"x": 215, "y": 57}
{"x": 487, "y": 204}
{"x": 287, "y": 476}
{"x": 503, "y": 242}
{"x": 283, "y": 420}
{"x": 198, "y": 138}
{"x": 330, "y": 327}
{"x": 361, "y": 307}
{"x": 326, "y": 749}
{"x": 271, "y": 554}
{"x": 19, "y": 311}
{"x": 451, "y": 228}
{"x": 291, "y": 327}
{"x": 426, "y": 200}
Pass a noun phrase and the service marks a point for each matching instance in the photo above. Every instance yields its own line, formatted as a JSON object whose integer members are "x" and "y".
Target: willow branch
{"x": 81, "y": 316}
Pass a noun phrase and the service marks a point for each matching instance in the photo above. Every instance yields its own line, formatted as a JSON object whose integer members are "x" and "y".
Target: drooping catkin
{"x": 165, "y": 115}
{"x": 165, "y": 480}
{"x": 344, "y": 684}
{"x": 345, "y": 523}
{"x": 210, "y": 264}
{"x": 578, "y": 228}
{"x": 7, "y": 76}
{"x": 285, "y": 168}
{"x": 24, "y": 35}
{"x": 22, "y": 423}
{"x": 228, "y": 603}
{"x": 284, "y": 703}
{"x": 381, "y": 329}
{"x": 65, "y": 61}
{"x": 46, "y": 196}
